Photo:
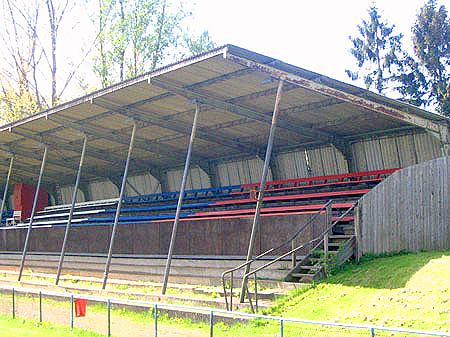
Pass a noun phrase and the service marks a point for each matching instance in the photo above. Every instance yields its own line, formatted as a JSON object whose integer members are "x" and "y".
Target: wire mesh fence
{"x": 110, "y": 317}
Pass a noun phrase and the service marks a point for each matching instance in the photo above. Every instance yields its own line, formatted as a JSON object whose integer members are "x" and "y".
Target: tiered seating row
{"x": 281, "y": 197}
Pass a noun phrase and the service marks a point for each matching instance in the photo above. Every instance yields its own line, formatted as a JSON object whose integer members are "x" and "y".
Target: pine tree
{"x": 431, "y": 40}
{"x": 377, "y": 50}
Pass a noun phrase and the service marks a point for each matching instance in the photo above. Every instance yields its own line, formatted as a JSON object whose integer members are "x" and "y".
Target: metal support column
{"x": 180, "y": 199}
{"x": 119, "y": 206}
{"x": 5, "y": 193}
{"x": 33, "y": 211}
{"x": 72, "y": 207}
{"x": 262, "y": 185}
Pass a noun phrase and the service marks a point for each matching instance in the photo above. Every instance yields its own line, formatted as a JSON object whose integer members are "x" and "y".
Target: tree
{"x": 29, "y": 59}
{"x": 195, "y": 45}
{"x": 55, "y": 16}
{"x": 19, "y": 61}
{"x": 377, "y": 51}
{"x": 411, "y": 82}
{"x": 135, "y": 36}
{"x": 431, "y": 40}
{"x": 16, "y": 102}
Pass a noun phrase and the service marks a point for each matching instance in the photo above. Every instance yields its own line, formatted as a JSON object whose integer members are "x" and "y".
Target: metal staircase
{"x": 334, "y": 248}
{"x": 331, "y": 248}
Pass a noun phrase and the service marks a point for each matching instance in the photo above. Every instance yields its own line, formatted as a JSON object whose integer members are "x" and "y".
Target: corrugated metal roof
{"x": 236, "y": 88}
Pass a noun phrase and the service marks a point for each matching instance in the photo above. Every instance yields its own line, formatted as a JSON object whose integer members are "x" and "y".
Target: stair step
{"x": 300, "y": 275}
{"x": 344, "y": 219}
{"x": 314, "y": 267}
{"x": 334, "y": 244}
{"x": 339, "y": 236}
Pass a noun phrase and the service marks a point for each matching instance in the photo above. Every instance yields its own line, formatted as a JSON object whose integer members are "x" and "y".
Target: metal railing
{"x": 214, "y": 315}
{"x": 231, "y": 271}
{"x": 319, "y": 239}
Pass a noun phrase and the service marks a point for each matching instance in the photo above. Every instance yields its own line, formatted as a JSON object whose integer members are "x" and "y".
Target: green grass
{"x": 406, "y": 290}
{"x": 26, "y": 328}
{"x": 409, "y": 290}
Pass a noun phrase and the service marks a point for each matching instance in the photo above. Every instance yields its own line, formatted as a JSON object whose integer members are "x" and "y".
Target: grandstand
{"x": 278, "y": 157}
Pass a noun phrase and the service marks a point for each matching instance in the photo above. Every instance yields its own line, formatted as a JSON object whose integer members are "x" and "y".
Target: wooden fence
{"x": 409, "y": 211}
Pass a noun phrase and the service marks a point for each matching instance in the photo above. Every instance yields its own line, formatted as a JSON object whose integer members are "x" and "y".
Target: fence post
{"x": 231, "y": 291}
{"x": 211, "y": 324}
{"x": 40, "y": 306}
{"x": 294, "y": 254}
{"x": 13, "y": 303}
{"x": 71, "y": 312}
{"x": 155, "y": 313}
{"x": 281, "y": 328}
{"x": 109, "y": 317}
{"x": 256, "y": 293}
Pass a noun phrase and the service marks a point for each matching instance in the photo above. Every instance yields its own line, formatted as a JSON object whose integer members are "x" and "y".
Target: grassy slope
{"x": 25, "y": 328}
{"x": 409, "y": 290}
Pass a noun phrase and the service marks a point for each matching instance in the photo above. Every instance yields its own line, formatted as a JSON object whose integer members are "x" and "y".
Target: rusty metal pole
{"x": 72, "y": 207}
{"x": 33, "y": 212}
{"x": 5, "y": 192}
{"x": 180, "y": 199}
{"x": 262, "y": 185}
{"x": 119, "y": 207}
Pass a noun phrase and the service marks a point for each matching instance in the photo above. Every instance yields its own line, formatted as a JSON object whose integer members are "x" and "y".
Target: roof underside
{"x": 237, "y": 98}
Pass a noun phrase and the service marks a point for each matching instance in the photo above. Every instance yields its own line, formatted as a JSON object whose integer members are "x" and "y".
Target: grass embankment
{"x": 407, "y": 290}
{"x": 25, "y": 328}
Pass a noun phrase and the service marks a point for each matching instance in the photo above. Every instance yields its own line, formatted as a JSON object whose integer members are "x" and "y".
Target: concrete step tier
{"x": 194, "y": 270}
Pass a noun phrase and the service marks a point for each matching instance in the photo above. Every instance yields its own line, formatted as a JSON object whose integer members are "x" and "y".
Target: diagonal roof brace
{"x": 148, "y": 118}
{"x": 336, "y": 93}
{"x": 140, "y": 143}
{"x": 59, "y": 143}
{"x": 243, "y": 111}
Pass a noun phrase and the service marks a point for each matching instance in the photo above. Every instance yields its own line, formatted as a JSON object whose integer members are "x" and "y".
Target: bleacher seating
{"x": 6, "y": 215}
{"x": 302, "y": 195}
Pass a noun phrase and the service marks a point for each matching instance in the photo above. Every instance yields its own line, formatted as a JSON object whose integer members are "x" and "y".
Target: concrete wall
{"x": 195, "y": 237}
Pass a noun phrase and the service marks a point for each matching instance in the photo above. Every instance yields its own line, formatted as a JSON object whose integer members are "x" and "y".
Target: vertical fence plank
{"x": 408, "y": 211}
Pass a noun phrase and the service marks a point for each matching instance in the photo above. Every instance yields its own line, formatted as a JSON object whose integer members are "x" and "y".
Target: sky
{"x": 309, "y": 34}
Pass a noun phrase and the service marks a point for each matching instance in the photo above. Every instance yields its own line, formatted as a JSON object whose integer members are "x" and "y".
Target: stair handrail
{"x": 321, "y": 237}
{"x": 249, "y": 262}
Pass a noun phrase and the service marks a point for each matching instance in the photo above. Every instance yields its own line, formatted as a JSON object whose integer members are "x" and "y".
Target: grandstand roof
{"x": 236, "y": 88}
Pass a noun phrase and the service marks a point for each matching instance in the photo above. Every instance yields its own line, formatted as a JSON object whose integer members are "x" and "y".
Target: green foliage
{"x": 421, "y": 80}
{"x": 431, "y": 39}
{"x": 136, "y": 36}
{"x": 195, "y": 45}
{"x": 16, "y": 104}
{"x": 377, "y": 51}
{"x": 411, "y": 82}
